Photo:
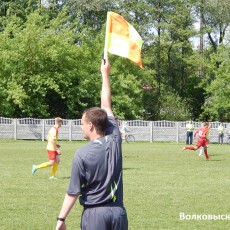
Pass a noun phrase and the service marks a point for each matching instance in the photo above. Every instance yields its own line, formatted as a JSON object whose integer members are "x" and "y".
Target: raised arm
{"x": 196, "y": 132}
{"x": 210, "y": 126}
{"x": 105, "y": 90}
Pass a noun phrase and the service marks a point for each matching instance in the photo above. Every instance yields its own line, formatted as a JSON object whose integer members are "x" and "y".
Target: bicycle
{"x": 129, "y": 138}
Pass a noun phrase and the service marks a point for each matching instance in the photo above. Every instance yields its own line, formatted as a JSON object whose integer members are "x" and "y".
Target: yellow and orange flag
{"x": 122, "y": 39}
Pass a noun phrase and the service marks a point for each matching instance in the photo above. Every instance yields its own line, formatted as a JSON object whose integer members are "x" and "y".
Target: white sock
{"x": 201, "y": 151}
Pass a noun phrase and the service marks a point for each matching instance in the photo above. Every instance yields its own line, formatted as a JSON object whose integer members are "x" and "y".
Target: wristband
{"x": 61, "y": 219}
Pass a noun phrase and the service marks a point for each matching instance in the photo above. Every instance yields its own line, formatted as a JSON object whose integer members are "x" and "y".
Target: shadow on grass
{"x": 134, "y": 156}
{"x": 215, "y": 160}
{"x": 64, "y": 178}
{"x": 131, "y": 168}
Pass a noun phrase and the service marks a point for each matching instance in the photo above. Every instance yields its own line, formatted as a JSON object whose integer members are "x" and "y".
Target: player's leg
{"x": 205, "y": 145}
{"x": 197, "y": 146}
{"x": 187, "y": 138}
{"x": 206, "y": 152}
{"x": 191, "y": 138}
{"x": 54, "y": 167}
{"x": 190, "y": 147}
{"x": 51, "y": 156}
{"x": 43, "y": 165}
{"x": 201, "y": 151}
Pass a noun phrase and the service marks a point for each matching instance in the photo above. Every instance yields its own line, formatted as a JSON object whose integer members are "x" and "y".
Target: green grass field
{"x": 160, "y": 182}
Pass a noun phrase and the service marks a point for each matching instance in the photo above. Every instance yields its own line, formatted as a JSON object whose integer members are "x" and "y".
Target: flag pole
{"x": 105, "y": 53}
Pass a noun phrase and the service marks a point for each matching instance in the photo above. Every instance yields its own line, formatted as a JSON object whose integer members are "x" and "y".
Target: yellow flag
{"x": 122, "y": 39}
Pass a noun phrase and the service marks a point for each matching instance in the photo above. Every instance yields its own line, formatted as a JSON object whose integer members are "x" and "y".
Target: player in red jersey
{"x": 202, "y": 139}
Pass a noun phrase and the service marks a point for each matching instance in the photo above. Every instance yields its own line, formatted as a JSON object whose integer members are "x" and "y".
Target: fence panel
{"x": 7, "y": 128}
{"x": 29, "y": 128}
{"x": 37, "y": 129}
{"x": 76, "y": 132}
{"x": 139, "y": 129}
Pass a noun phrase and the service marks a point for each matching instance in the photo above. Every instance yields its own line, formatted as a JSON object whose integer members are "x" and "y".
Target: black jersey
{"x": 97, "y": 170}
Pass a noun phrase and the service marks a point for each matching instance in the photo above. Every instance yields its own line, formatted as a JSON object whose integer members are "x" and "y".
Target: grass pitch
{"x": 160, "y": 182}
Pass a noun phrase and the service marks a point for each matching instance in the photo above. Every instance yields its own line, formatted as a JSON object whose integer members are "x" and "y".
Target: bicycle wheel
{"x": 130, "y": 138}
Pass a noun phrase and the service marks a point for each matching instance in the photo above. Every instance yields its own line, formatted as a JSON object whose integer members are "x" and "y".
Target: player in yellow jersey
{"x": 52, "y": 150}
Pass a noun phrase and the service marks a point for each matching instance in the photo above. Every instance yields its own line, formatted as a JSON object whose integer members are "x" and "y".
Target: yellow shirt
{"x": 189, "y": 127}
{"x": 52, "y": 135}
{"x": 221, "y": 129}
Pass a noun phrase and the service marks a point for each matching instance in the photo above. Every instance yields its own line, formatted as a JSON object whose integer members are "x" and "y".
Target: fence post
{"x": 70, "y": 130}
{"x": 177, "y": 132}
{"x": 151, "y": 131}
{"x": 43, "y": 129}
{"x": 15, "y": 129}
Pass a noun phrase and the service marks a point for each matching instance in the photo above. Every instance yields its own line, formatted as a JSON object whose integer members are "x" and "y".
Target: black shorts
{"x": 104, "y": 218}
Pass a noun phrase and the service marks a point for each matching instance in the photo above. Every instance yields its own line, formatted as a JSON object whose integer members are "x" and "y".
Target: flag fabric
{"x": 122, "y": 39}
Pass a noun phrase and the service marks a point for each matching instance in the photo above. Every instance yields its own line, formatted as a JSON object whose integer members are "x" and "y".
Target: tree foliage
{"x": 50, "y": 59}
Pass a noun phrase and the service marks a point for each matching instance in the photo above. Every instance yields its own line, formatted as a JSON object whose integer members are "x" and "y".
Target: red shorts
{"x": 52, "y": 154}
{"x": 202, "y": 142}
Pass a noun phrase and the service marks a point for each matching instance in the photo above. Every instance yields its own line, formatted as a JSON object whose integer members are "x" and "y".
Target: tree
{"x": 37, "y": 60}
{"x": 49, "y": 69}
{"x": 50, "y": 59}
{"x": 217, "y": 103}
{"x": 216, "y": 20}
{"x": 172, "y": 65}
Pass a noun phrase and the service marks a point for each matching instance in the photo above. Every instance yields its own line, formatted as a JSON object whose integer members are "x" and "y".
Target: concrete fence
{"x": 149, "y": 131}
